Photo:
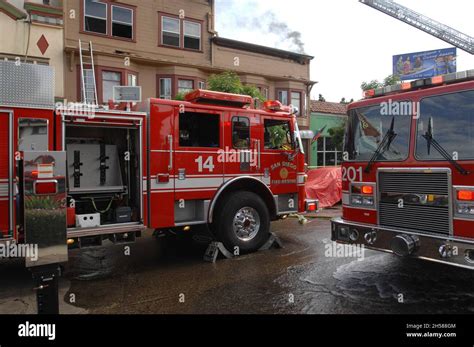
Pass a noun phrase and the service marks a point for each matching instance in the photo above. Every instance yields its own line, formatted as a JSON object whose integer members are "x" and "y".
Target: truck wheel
{"x": 243, "y": 222}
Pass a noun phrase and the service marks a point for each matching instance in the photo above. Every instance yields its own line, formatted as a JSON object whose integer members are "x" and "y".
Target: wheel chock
{"x": 213, "y": 250}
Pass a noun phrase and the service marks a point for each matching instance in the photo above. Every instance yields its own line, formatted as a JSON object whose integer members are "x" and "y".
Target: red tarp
{"x": 325, "y": 184}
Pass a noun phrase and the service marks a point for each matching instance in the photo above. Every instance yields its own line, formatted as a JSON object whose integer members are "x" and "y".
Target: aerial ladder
{"x": 424, "y": 23}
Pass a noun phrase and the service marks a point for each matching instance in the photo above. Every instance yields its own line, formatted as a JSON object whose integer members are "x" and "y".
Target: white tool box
{"x": 88, "y": 220}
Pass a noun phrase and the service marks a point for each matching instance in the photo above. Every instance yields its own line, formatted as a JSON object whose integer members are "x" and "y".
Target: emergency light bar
{"x": 219, "y": 98}
{"x": 454, "y": 77}
{"x": 273, "y": 105}
{"x": 276, "y": 106}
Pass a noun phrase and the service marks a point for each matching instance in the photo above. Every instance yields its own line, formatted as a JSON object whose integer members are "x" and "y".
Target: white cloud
{"x": 351, "y": 42}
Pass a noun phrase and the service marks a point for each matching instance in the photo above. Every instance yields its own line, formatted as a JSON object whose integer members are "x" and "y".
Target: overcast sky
{"x": 351, "y": 42}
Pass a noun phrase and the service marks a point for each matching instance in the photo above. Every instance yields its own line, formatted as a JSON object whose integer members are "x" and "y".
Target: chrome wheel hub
{"x": 246, "y": 224}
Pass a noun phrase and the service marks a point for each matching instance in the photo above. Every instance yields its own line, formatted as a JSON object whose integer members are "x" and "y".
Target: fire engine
{"x": 408, "y": 175}
{"x": 75, "y": 175}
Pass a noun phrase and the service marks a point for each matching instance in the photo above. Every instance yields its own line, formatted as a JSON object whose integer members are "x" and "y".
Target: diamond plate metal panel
{"x": 27, "y": 85}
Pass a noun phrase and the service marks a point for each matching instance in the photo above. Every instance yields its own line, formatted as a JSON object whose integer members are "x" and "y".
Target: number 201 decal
{"x": 351, "y": 174}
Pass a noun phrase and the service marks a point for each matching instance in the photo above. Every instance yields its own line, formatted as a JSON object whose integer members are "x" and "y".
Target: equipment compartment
{"x": 103, "y": 171}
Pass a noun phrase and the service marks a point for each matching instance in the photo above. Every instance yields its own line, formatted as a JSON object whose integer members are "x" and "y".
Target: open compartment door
{"x": 44, "y": 179}
{"x": 6, "y": 175}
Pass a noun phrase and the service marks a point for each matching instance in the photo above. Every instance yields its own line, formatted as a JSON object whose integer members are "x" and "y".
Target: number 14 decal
{"x": 208, "y": 164}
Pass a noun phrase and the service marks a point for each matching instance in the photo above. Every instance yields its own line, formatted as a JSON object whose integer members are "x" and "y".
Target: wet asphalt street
{"x": 158, "y": 278}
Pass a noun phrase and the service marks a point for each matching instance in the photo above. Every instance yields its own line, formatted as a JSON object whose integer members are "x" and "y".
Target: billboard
{"x": 424, "y": 64}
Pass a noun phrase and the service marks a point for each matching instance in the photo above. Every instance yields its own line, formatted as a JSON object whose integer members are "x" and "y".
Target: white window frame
{"x": 132, "y": 75}
{"x": 201, "y": 85}
{"x": 324, "y": 152}
{"x": 162, "y": 95}
{"x": 287, "y": 96}
{"x": 120, "y": 22}
{"x": 300, "y": 106}
{"x": 192, "y": 36}
{"x": 102, "y": 81}
{"x": 172, "y": 32}
{"x": 106, "y": 19}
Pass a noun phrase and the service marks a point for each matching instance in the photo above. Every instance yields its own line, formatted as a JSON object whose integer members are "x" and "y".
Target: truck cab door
{"x": 198, "y": 163}
{"x": 280, "y": 162}
{"x": 243, "y": 145}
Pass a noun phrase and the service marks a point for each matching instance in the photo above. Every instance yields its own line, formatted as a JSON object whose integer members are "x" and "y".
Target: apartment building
{"x": 170, "y": 47}
{"x": 32, "y": 32}
{"x": 166, "y": 47}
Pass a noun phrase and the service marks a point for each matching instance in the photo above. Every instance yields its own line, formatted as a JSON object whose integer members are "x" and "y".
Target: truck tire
{"x": 243, "y": 221}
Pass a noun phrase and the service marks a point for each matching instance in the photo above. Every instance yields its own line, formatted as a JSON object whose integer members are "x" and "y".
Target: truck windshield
{"x": 366, "y": 130}
{"x": 450, "y": 120}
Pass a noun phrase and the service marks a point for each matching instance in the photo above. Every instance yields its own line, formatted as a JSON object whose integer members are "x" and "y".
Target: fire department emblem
{"x": 284, "y": 173}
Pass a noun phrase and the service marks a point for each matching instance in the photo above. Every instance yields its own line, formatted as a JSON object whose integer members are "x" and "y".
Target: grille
{"x": 414, "y": 216}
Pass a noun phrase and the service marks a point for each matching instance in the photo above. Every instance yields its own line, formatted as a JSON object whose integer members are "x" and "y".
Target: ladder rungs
{"x": 89, "y": 86}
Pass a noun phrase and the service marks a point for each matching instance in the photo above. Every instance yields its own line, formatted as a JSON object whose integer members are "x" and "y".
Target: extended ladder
{"x": 88, "y": 82}
{"x": 424, "y": 23}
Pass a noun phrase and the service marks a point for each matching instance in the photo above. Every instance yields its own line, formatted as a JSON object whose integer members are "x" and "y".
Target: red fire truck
{"x": 75, "y": 175}
{"x": 408, "y": 175}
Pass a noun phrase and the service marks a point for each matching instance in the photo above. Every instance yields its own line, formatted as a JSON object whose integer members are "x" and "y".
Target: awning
{"x": 307, "y": 134}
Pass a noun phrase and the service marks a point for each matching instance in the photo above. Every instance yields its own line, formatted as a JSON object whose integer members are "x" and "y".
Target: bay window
{"x": 264, "y": 92}
{"x": 283, "y": 97}
{"x": 296, "y": 100}
{"x": 132, "y": 80}
{"x": 165, "y": 88}
{"x": 185, "y": 86}
{"x": 109, "y": 80}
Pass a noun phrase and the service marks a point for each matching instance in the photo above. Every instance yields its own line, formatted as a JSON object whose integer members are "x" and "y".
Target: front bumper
{"x": 436, "y": 248}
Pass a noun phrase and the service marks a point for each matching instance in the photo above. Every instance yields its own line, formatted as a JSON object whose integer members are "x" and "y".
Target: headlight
{"x": 362, "y": 195}
{"x": 358, "y": 200}
{"x": 465, "y": 209}
{"x": 368, "y": 201}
